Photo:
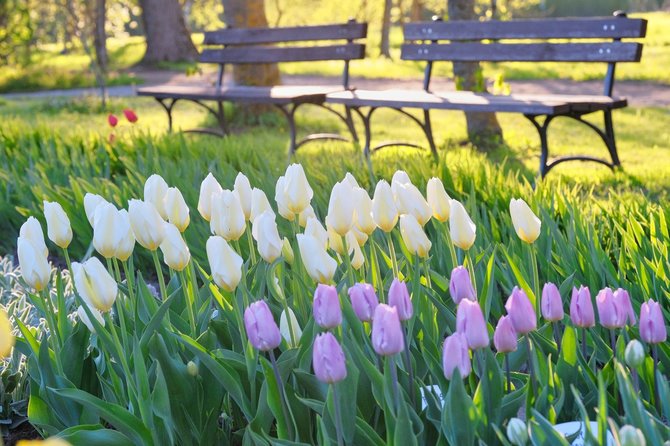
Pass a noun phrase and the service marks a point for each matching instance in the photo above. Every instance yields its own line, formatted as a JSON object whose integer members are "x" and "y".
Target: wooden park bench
{"x": 232, "y": 46}
{"x": 517, "y": 40}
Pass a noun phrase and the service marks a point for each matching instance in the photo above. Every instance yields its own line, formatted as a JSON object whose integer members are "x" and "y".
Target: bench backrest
{"x": 425, "y": 41}
{"x": 259, "y": 45}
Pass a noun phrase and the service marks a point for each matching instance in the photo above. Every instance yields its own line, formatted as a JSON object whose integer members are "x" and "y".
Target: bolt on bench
{"x": 259, "y": 46}
{"x": 516, "y": 40}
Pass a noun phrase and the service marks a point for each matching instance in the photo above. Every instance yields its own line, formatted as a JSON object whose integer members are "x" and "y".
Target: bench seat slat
{"x": 266, "y": 95}
{"x": 254, "y": 36}
{"x": 267, "y": 54}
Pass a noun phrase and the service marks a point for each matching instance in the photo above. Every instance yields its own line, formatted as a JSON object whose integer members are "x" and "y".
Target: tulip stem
{"x": 379, "y": 283}
{"x": 129, "y": 281}
{"x": 654, "y": 356}
{"x": 410, "y": 369}
{"x": 282, "y": 393}
{"x": 394, "y": 260}
{"x": 584, "y": 344}
{"x": 613, "y": 343}
{"x": 507, "y": 372}
{"x": 557, "y": 336}
{"x": 394, "y": 380}
{"x": 338, "y": 415}
{"x": 531, "y": 368}
{"x": 471, "y": 269}
{"x": 252, "y": 251}
{"x": 452, "y": 250}
{"x": 536, "y": 279}
{"x": 347, "y": 261}
{"x": 190, "y": 302}
{"x": 159, "y": 273}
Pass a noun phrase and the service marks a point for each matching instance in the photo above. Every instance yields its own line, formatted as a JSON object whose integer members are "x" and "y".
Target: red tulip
{"x": 130, "y": 115}
{"x": 112, "y": 120}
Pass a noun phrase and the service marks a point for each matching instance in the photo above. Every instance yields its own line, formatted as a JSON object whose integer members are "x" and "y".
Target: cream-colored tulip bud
{"x": 439, "y": 201}
{"x": 384, "y": 211}
{"x": 400, "y": 178}
{"x": 264, "y": 231}
{"x": 155, "y": 191}
{"x": 360, "y": 236}
{"x": 32, "y": 230}
{"x": 242, "y": 188}
{"x": 58, "y": 224}
{"x": 463, "y": 230}
{"x": 227, "y": 216}
{"x": 319, "y": 265}
{"x": 94, "y": 284}
{"x": 315, "y": 229}
{"x": 341, "y": 208}
{"x": 225, "y": 263}
{"x": 176, "y": 209}
{"x": 91, "y": 202}
{"x": 357, "y": 259}
{"x": 412, "y": 234}
{"x": 306, "y": 215}
{"x": 104, "y": 230}
{"x": 410, "y": 199}
{"x": 297, "y": 189}
{"x": 259, "y": 204}
{"x": 526, "y": 224}
{"x": 6, "y": 335}
{"x": 351, "y": 180}
{"x": 35, "y": 267}
{"x": 208, "y": 187}
{"x": 282, "y": 200}
{"x": 363, "y": 211}
{"x": 175, "y": 251}
{"x": 290, "y": 331}
{"x": 287, "y": 251}
{"x": 146, "y": 223}
{"x": 81, "y": 312}
{"x": 125, "y": 239}
{"x": 335, "y": 241}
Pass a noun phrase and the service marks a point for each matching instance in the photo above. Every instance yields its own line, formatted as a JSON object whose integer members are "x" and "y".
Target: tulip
{"x": 607, "y": 309}
{"x": 526, "y": 224}
{"x": 81, "y": 312}
{"x": 125, "y": 239}
{"x": 146, "y": 223}
{"x": 94, "y": 284}
{"x": 35, "y": 268}
{"x": 438, "y": 199}
{"x": 175, "y": 251}
{"x": 455, "y": 354}
{"x": 387, "y": 334}
{"x": 341, "y": 209}
{"x": 282, "y": 200}
{"x": 326, "y": 307}
{"x": 155, "y": 191}
{"x": 306, "y": 215}
{"x": 225, "y": 263}
{"x": 363, "y": 300}
{"x": 581, "y": 308}
{"x": 335, "y": 241}
{"x": 242, "y": 188}
{"x": 361, "y": 237}
{"x": 290, "y": 332}
{"x": 399, "y": 298}
{"x": 624, "y": 307}
{"x": 463, "y": 231}
{"x": 91, "y": 202}
{"x": 400, "y": 178}
{"x": 208, "y": 187}
{"x": 631, "y": 436}
{"x": 415, "y": 239}
{"x": 652, "y": 325}
{"x": 112, "y": 120}
{"x": 130, "y": 115}
{"x": 328, "y": 359}
{"x": 31, "y": 229}
{"x": 552, "y": 304}
{"x": 521, "y": 311}
{"x": 351, "y": 180}
{"x": 634, "y": 354}
{"x": 6, "y": 336}
{"x": 357, "y": 259}
{"x": 411, "y": 201}
{"x": 384, "y": 211}
{"x": 227, "y": 216}
{"x": 264, "y": 231}
{"x": 505, "y": 337}
{"x": 470, "y": 321}
{"x": 297, "y": 190}
{"x": 261, "y": 327}
{"x": 319, "y": 265}
{"x": 176, "y": 209}
{"x": 259, "y": 204}
{"x": 192, "y": 369}
{"x": 460, "y": 285}
{"x": 58, "y": 224}
{"x": 363, "y": 211}
{"x": 517, "y": 432}
{"x": 104, "y": 230}
{"x": 287, "y": 251}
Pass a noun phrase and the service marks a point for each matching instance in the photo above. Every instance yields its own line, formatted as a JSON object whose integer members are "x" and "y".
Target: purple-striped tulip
{"x": 328, "y": 359}
{"x": 327, "y": 310}
{"x": 624, "y": 307}
{"x": 521, "y": 312}
{"x": 552, "y": 304}
{"x": 261, "y": 327}
{"x": 363, "y": 300}
{"x": 652, "y": 325}
{"x": 581, "y": 308}
{"x": 455, "y": 354}
{"x": 460, "y": 285}
{"x": 470, "y": 321}
{"x": 387, "y": 336}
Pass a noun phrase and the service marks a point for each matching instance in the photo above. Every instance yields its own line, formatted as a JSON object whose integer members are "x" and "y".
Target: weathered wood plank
{"x": 265, "y": 54}
{"x": 266, "y": 95}
{"x": 251, "y": 36}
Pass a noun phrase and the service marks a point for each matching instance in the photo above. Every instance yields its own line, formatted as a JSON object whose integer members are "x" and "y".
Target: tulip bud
{"x": 208, "y": 187}
{"x": 351, "y": 180}
{"x": 35, "y": 268}
{"x": 282, "y": 200}
{"x": 411, "y": 201}
{"x": 384, "y": 211}
{"x": 176, "y": 209}
{"x": 225, "y": 263}
{"x": 192, "y": 369}
{"x": 361, "y": 237}
{"x": 31, "y": 229}
{"x": 297, "y": 190}
{"x": 261, "y": 327}
{"x": 175, "y": 251}
{"x": 363, "y": 211}
{"x": 455, "y": 354}
{"x": 470, "y": 321}
{"x": 6, "y": 336}
{"x": 125, "y": 239}
{"x": 357, "y": 259}
{"x": 505, "y": 337}
{"x": 521, "y": 311}
{"x": 438, "y": 199}
{"x": 399, "y": 298}
{"x": 315, "y": 229}
{"x": 259, "y": 204}
{"x": 387, "y": 336}
{"x": 415, "y": 239}
{"x": 112, "y": 120}
{"x": 58, "y": 224}
{"x": 328, "y": 359}
{"x": 552, "y": 304}
{"x": 104, "y": 230}
{"x": 634, "y": 354}
{"x": 581, "y": 308}
{"x": 130, "y": 115}
{"x": 363, "y": 300}
{"x": 336, "y": 244}
{"x": 526, "y": 224}
{"x": 94, "y": 284}
{"x": 306, "y": 215}
{"x": 652, "y": 325}
{"x": 400, "y": 178}
{"x": 285, "y": 328}
{"x": 631, "y": 436}
{"x": 319, "y": 265}
{"x": 341, "y": 209}
{"x": 607, "y": 310}
{"x": 463, "y": 230}
{"x": 264, "y": 231}
{"x": 91, "y": 202}
{"x": 147, "y": 225}
{"x": 227, "y": 216}
{"x": 460, "y": 285}
{"x": 326, "y": 307}
{"x": 287, "y": 251}
{"x": 624, "y": 307}
{"x": 83, "y": 317}
{"x": 242, "y": 188}
{"x": 517, "y": 432}
{"x": 155, "y": 191}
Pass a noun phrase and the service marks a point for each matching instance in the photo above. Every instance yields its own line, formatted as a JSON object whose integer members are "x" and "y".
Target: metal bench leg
{"x": 289, "y": 113}
{"x": 428, "y": 130}
{"x": 365, "y": 117}
{"x": 167, "y": 105}
{"x": 544, "y": 142}
{"x": 611, "y": 140}
{"x": 350, "y": 124}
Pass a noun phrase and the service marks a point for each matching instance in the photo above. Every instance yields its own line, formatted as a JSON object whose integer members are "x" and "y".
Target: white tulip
{"x": 384, "y": 210}
{"x": 335, "y": 241}
{"x": 363, "y": 211}
{"x": 91, "y": 202}
{"x": 146, "y": 223}
{"x": 282, "y": 200}
{"x": 306, "y": 215}
{"x": 526, "y": 224}
{"x": 104, "y": 230}
{"x": 155, "y": 190}
{"x": 287, "y": 329}
{"x": 227, "y": 215}
{"x": 319, "y": 265}
{"x": 176, "y": 209}
{"x": 208, "y": 187}
{"x": 225, "y": 263}
{"x": 351, "y": 180}
{"x": 462, "y": 228}
{"x": 297, "y": 189}
{"x": 242, "y": 188}
{"x": 81, "y": 312}
{"x": 412, "y": 233}
{"x": 341, "y": 208}
{"x": 315, "y": 229}
{"x": 94, "y": 284}
{"x": 400, "y": 178}
{"x": 259, "y": 204}
{"x": 175, "y": 251}
{"x": 58, "y": 224}
{"x": 35, "y": 268}
{"x": 125, "y": 239}
{"x": 264, "y": 231}
{"x": 357, "y": 259}
{"x": 31, "y": 229}
{"x": 438, "y": 199}
{"x": 411, "y": 201}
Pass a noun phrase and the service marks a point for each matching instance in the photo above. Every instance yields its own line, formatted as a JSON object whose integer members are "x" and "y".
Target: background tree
{"x": 385, "y": 46}
{"x": 167, "y": 37}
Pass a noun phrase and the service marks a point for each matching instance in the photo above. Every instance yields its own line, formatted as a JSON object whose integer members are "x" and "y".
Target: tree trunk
{"x": 482, "y": 127}
{"x": 416, "y": 11}
{"x": 168, "y": 39}
{"x": 99, "y": 35}
{"x": 385, "y": 46}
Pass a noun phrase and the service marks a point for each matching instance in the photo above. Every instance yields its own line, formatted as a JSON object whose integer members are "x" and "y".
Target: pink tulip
{"x": 581, "y": 308}
{"x": 470, "y": 322}
{"x": 455, "y": 354}
{"x": 399, "y": 298}
{"x": 460, "y": 285}
{"x": 552, "y": 304}
{"x": 130, "y": 115}
{"x": 521, "y": 312}
{"x": 505, "y": 338}
{"x": 327, "y": 310}
{"x": 652, "y": 325}
{"x": 328, "y": 359}
{"x": 607, "y": 309}
{"x": 387, "y": 336}
{"x": 112, "y": 120}
{"x": 261, "y": 327}
{"x": 624, "y": 307}
{"x": 363, "y": 300}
